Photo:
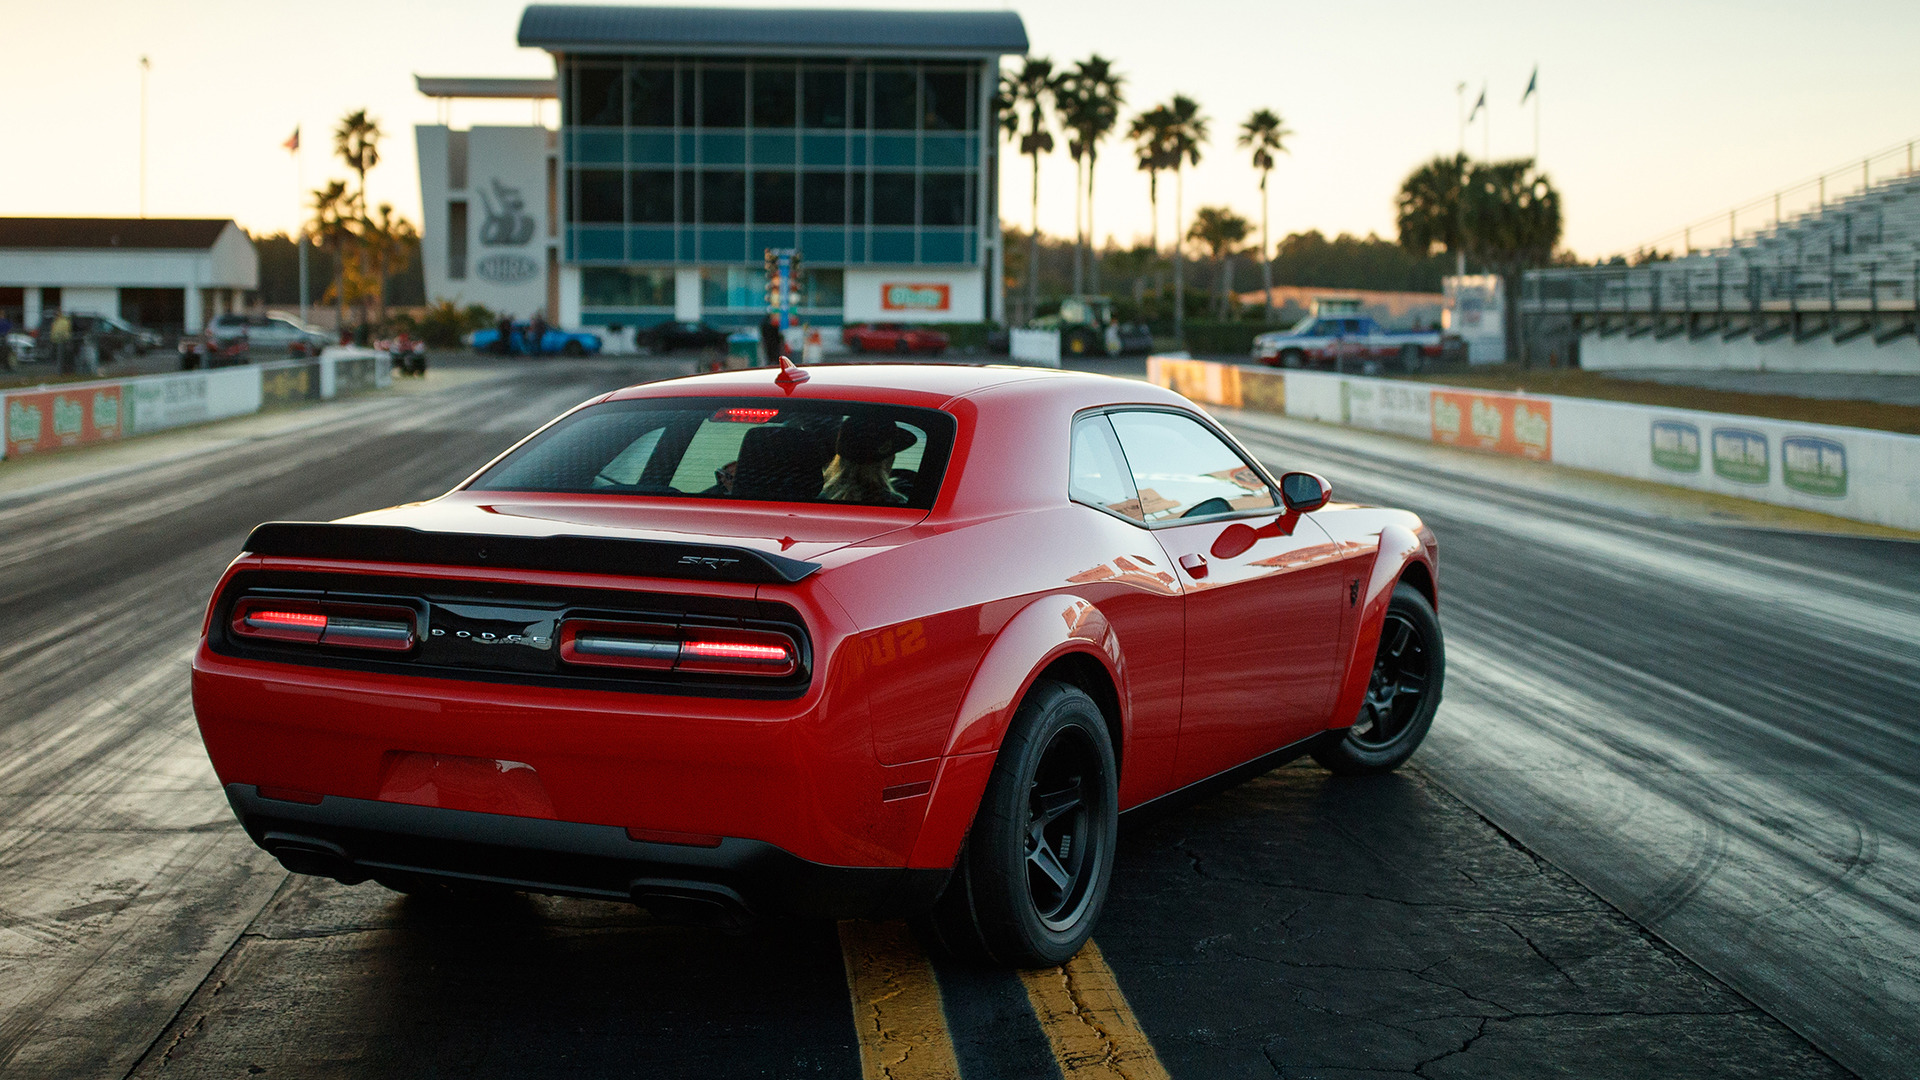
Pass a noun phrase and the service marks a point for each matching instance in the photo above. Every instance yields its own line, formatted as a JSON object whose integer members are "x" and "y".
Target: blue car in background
{"x": 554, "y": 342}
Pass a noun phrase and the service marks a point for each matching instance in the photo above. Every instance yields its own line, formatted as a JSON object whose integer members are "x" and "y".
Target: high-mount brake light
{"x": 745, "y": 416}
{"x": 325, "y": 622}
{"x": 693, "y": 649}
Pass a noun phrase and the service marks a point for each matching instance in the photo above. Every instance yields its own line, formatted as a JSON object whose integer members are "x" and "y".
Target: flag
{"x": 1478, "y": 105}
{"x": 292, "y": 145}
{"x": 1533, "y": 83}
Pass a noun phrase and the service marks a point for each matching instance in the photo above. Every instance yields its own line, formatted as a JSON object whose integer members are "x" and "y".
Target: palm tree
{"x": 357, "y": 141}
{"x": 1096, "y": 92}
{"x": 331, "y": 227}
{"x": 1430, "y": 208}
{"x": 1185, "y": 136}
{"x": 1511, "y": 217}
{"x": 1219, "y": 228}
{"x": 1151, "y": 136}
{"x": 1266, "y": 133}
{"x": 1032, "y": 89}
{"x": 390, "y": 239}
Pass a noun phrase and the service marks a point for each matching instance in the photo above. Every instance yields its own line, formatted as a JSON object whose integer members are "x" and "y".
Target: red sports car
{"x": 894, "y": 338}
{"x": 823, "y": 641}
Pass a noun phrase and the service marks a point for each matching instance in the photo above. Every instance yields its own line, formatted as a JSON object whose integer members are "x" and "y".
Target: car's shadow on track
{"x": 333, "y": 979}
{"x": 1310, "y": 925}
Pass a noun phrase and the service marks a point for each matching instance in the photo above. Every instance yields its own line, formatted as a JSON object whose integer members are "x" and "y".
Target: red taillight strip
{"x": 322, "y": 622}
{"x": 692, "y": 649}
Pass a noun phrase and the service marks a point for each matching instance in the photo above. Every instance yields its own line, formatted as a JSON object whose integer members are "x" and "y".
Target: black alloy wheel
{"x": 1060, "y": 829}
{"x": 1403, "y": 692}
{"x": 1410, "y": 358}
{"x": 902, "y": 346}
{"x": 1034, "y": 872}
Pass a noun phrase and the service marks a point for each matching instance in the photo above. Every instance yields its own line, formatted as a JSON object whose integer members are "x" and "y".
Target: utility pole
{"x": 143, "y": 136}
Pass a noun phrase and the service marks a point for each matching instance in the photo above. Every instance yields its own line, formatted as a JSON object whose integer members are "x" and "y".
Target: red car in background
{"x": 830, "y": 641}
{"x": 894, "y": 338}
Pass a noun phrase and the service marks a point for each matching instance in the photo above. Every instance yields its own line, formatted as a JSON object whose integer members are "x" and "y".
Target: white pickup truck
{"x": 1347, "y": 342}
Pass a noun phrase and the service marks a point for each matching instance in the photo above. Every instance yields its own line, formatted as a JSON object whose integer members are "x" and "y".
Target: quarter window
{"x": 1183, "y": 470}
{"x": 1099, "y": 471}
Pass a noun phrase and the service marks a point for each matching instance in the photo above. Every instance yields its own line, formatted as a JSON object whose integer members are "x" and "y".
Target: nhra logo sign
{"x": 507, "y": 269}
{"x": 896, "y": 297}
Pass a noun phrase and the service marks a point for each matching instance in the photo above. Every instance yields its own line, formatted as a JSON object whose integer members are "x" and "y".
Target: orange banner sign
{"x": 1502, "y": 423}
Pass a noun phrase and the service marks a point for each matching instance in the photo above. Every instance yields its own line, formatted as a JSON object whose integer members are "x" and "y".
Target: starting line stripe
{"x": 896, "y": 1004}
{"x": 1094, "y": 1033}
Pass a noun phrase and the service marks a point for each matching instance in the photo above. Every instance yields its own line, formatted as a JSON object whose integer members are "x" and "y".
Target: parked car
{"x": 781, "y": 640}
{"x": 555, "y": 342}
{"x": 669, "y": 337}
{"x": 1136, "y": 339}
{"x": 894, "y": 338}
{"x": 268, "y": 335}
{"x": 1348, "y": 343}
{"x": 113, "y": 337}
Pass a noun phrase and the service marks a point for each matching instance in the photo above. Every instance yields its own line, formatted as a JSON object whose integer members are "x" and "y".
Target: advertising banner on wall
{"x": 74, "y": 416}
{"x": 289, "y": 384}
{"x": 1502, "y": 423}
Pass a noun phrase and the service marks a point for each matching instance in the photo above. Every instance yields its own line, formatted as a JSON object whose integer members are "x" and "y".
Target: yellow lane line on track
{"x": 1087, "y": 1019}
{"x": 902, "y": 1024}
{"x": 896, "y": 1004}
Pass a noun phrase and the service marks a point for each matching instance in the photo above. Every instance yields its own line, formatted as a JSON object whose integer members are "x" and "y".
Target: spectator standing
{"x": 60, "y": 336}
{"x": 536, "y": 333}
{"x": 503, "y": 343}
{"x": 772, "y": 341}
{"x": 6, "y": 346}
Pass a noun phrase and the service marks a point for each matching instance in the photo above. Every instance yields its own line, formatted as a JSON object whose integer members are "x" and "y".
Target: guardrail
{"x": 1854, "y": 473}
{"x": 75, "y": 414}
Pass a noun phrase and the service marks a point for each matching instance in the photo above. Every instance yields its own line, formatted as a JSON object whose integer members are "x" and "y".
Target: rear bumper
{"x": 351, "y": 840}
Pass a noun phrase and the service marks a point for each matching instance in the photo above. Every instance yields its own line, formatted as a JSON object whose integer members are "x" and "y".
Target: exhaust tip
{"x": 695, "y": 903}
{"x": 313, "y": 856}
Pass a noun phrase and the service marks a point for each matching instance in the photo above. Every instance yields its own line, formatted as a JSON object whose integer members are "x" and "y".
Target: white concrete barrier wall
{"x": 1035, "y": 346}
{"x": 60, "y": 415}
{"x": 1854, "y": 473}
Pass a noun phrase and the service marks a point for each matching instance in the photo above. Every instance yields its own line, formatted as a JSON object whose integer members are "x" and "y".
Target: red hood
{"x": 794, "y": 530}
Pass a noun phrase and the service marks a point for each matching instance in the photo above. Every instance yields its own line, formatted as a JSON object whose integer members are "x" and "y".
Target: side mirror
{"x": 1304, "y": 492}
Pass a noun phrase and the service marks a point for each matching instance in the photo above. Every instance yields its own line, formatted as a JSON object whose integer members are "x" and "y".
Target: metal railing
{"x": 1729, "y": 284}
{"x": 1810, "y": 196}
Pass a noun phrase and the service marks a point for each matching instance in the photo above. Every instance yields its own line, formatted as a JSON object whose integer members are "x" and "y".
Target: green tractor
{"x": 1086, "y": 326}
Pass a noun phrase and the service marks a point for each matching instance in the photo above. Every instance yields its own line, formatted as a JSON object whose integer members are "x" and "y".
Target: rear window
{"x": 738, "y": 449}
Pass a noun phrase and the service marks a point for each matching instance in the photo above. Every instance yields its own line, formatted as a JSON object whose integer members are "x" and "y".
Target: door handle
{"x": 1194, "y": 565}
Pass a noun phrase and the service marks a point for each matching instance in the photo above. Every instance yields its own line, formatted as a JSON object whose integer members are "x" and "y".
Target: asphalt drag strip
{"x": 1298, "y": 925}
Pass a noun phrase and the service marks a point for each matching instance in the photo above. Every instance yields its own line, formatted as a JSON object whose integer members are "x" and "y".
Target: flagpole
{"x": 1460, "y": 96}
{"x": 300, "y": 182}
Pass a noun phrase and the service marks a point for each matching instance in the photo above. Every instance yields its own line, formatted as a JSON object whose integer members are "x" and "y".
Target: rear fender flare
{"x": 1042, "y": 632}
{"x": 1398, "y": 549}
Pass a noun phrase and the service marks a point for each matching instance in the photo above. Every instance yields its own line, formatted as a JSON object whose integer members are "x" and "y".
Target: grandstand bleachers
{"x": 1819, "y": 286}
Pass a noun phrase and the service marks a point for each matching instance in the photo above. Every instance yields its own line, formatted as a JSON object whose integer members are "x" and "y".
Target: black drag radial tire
{"x": 1409, "y": 669}
{"x": 1050, "y": 808}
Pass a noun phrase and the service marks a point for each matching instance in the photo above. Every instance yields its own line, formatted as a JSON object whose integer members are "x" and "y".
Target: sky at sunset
{"x": 1654, "y": 114}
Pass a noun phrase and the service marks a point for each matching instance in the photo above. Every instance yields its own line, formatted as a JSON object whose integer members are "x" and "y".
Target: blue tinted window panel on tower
{"x": 762, "y": 239}
{"x": 595, "y": 148}
{"x": 598, "y": 245}
{"x": 823, "y": 245}
{"x": 893, "y": 246}
{"x": 893, "y": 151}
{"x": 651, "y": 245}
{"x": 947, "y": 151}
{"x": 773, "y": 148}
{"x": 943, "y": 245}
{"x": 650, "y": 147}
{"x": 723, "y": 245}
{"x": 823, "y": 149}
{"x": 723, "y": 148}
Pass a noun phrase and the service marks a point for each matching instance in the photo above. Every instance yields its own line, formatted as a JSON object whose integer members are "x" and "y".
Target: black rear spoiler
{"x": 569, "y": 554}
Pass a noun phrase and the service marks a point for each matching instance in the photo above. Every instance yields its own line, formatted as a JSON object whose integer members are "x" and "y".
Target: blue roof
{"x": 568, "y": 28}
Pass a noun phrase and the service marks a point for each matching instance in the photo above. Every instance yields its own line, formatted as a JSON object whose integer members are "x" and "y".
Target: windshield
{"x": 738, "y": 449}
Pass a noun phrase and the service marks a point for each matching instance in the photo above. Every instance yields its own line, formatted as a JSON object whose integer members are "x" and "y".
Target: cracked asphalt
{"x": 1295, "y": 926}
